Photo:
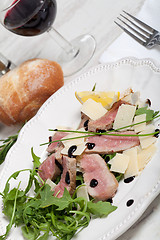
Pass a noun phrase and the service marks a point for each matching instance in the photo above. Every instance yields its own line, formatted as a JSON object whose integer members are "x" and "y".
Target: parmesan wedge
{"x": 132, "y": 169}
{"x": 80, "y": 149}
{"x": 139, "y": 127}
{"x": 146, "y": 141}
{"x": 124, "y": 116}
{"x": 82, "y": 192}
{"x": 80, "y": 140}
{"x": 145, "y": 155}
{"x": 119, "y": 163}
{"x": 93, "y": 109}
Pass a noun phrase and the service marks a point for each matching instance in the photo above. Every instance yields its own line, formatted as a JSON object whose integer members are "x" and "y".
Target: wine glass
{"x": 34, "y": 17}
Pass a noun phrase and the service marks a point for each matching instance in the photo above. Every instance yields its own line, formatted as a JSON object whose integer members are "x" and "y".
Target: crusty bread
{"x": 24, "y": 89}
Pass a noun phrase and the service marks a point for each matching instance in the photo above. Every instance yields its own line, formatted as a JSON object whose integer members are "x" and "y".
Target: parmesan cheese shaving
{"x": 93, "y": 109}
{"x": 124, "y": 116}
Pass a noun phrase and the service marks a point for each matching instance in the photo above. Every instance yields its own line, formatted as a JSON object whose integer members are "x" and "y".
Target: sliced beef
{"x": 106, "y": 121}
{"x": 68, "y": 177}
{"x": 106, "y": 144}
{"x": 57, "y": 136}
{"x": 84, "y": 121}
{"x": 101, "y": 183}
{"x": 50, "y": 168}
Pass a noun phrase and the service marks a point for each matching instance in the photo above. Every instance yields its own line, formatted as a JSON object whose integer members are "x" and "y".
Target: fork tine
{"x": 140, "y": 22}
{"x": 138, "y": 27}
{"x": 131, "y": 34}
{"x": 134, "y": 30}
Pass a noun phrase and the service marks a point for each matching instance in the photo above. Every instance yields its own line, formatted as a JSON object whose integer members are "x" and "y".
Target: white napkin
{"x": 125, "y": 46}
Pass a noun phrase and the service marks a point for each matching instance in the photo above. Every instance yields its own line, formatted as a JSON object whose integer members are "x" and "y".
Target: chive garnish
{"x": 105, "y": 133}
{"x": 89, "y": 134}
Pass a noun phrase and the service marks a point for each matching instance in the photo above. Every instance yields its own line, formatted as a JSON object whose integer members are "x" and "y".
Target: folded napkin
{"x": 125, "y": 46}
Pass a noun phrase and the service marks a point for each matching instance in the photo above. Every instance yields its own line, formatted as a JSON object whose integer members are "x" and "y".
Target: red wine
{"x": 30, "y": 17}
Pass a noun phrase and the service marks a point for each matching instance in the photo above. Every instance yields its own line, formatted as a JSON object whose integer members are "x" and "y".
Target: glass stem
{"x": 5, "y": 65}
{"x": 70, "y": 50}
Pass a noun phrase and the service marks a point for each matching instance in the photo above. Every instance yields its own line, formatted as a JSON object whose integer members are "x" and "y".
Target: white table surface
{"x": 76, "y": 17}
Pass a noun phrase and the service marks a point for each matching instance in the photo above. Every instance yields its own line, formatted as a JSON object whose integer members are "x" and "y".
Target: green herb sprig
{"x": 94, "y": 87}
{"x": 6, "y": 145}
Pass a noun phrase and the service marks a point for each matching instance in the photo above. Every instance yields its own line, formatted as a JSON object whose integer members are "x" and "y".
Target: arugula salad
{"x": 115, "y": 140}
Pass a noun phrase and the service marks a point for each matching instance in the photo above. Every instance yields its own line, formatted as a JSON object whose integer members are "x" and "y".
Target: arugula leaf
{"x": 8, "y": 201}
{"x": 14, "y": 175}
{"x": 7, "y": 186}
{"x": 46, "y": 196}
{"x": 8, "y": 209}
{"x": 119, "y": 176}
{"x": 30, "y": 233}
{"x": 79, "y": 178}
{"x": 150, "y": 114}
{"x": 36, "y": 162}
{"x": 9, "y": 226}
{"x": 45, "y": 236}
{"x": 11, "y": 195}
{"x": 108, "y": 157}
{"x": 47, "y": 199}
{"x": 64, "y": 201}
{"x": 100, "y": 208}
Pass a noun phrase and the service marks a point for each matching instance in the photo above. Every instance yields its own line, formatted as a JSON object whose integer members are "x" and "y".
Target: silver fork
{"x": 140, "y": 31}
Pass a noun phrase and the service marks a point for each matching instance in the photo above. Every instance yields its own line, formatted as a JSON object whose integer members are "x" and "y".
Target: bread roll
{"x": 24, "y": 89}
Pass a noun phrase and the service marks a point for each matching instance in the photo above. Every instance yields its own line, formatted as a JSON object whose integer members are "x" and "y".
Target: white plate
{"x": 63, "y": 109}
